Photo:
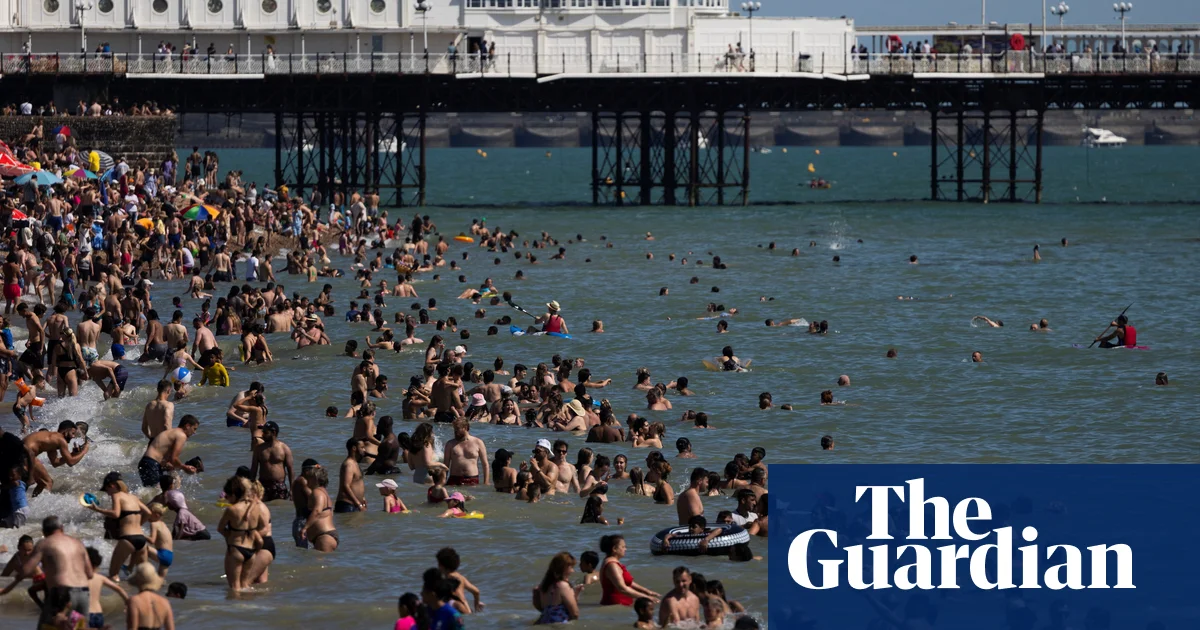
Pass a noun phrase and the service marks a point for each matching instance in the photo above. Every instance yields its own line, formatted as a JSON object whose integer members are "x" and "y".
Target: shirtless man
{"x": 680, "y": 605}
{"x": 176, "y": 332}
{"x": 1041, "y": 326}
{"x": 113, "y": 372}
{"x": 607, "y": 432}
{"x": 350, "y": 495}
{"x": 688, "y": 503}
{"x": 566, "y": 479}
{"x": 159, "y": 413}
{"x": 164, "y": 452}
{"x": 444, "y": 395}
{"x": 543, "y": 469}
{"x": 205, "y": 340}
{"x": 235, "y": 417}
{"x": 33, "y": 358}
{"x": 272, "y": 464}
{"x": 87, "y": 333}
{"x": 221, "y": 266}
{"x": 57, "y": 447}
{"x": 65, "y": 563}
{"x": 301, "y": 494}
{"x": 466, "y": 455}
{"x": 156, "y": 345}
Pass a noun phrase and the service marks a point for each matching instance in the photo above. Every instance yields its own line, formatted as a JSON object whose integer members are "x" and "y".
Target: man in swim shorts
{"x": 165, "y": 451}
{"x": 272, "y": 464}
{"x": 465, "y": 455}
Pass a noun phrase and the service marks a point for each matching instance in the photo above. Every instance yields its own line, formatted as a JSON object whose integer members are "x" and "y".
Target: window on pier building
{"x": 581, "y": 4}
{"x": 51, "y": 6}
{"x": 105, "y": 6}
{"x": 269, "y": 6}
{"x": 159, "y": 6}
{"x": 323, "y": 6}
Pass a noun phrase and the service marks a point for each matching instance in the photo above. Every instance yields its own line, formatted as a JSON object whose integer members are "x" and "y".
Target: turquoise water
{"x": 1035, "y": 398}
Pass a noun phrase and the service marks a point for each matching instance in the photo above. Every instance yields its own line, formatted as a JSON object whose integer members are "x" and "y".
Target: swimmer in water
{"x": 994, "y": 324}
{"x": 728, "y": 361}
{"x": 1041, "y": 326}
{"x": 976, "y": 357}
{"x": 786, "y": 322}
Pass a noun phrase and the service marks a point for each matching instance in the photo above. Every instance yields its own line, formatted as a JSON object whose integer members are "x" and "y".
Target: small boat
{"x": 1093, "y": 137}
{"x": 762, "y": 150}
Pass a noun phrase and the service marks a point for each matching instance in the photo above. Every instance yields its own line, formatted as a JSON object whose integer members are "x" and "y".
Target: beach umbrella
{"x": 201, "y": 212}
{"x": 43, "y": 178}
{"x": 82, "y": 173}
{"x": 106, "y": 162}
{"x": 64, "y": 130}
{"x": 11, "y": 167}
{"x": 17, "y": 215}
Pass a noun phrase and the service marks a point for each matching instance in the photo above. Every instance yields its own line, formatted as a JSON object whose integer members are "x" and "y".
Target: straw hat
{"x": 576, "y": 407}
{"x": 553, "y": 306}
{"x": 145, "y": 577}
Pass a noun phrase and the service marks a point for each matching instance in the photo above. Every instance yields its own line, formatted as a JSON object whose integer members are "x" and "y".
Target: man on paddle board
{"x": 552, "y": 322}
{"x": 1124, "y": 334}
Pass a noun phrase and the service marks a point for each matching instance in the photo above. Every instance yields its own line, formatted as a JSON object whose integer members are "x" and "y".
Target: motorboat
{"x": 1093, "y": 137}
{"x": 762, "y": 150}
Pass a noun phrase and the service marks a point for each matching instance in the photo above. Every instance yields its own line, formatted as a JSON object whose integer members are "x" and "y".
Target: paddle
{"x": 1108, "y": 326}
{"x": 509, "y": 301}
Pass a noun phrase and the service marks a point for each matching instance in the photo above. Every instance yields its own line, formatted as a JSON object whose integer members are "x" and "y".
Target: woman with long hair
{"x": 240, "y": 525}
{"x": 555, "y": 597}
{"x": 127, "y": 511}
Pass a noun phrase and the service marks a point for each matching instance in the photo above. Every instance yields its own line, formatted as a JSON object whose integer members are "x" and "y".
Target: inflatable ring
{"x": 463, "y": 238}
{"x": 471, "y": 514}
{"x": 685, "y": 544}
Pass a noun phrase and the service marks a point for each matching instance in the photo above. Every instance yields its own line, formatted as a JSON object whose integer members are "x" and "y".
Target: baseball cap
{"x": 460, "y": 350}
{"x": 309, "y": 463}
{"x": 544, "y": 443}
{"x": 387, "y": 483}
{"x": 457, "y": 496}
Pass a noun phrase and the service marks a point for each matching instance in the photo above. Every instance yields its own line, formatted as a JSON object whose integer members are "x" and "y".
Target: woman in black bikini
{"x": 389, "y": 449}
{"x": 128, "y": 511}
{"x": 68, "y": 360}
{"x": 239, "y": 524}
{"x": 319, "y": 529}
{"x": 255, "y": 571}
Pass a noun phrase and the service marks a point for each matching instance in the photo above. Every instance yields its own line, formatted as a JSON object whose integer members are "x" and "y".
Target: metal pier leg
{"x": 1037, "y": 173}
{"x": 721, "y": 159}
{"x": 595, "y": 158}
{"x": 746, "y": 158}
{"x": 298, "y": 144}
{"x": 961, "y": 166}
{"x": 1012, "y": 155}
{"x": 987, "y": 155}
{"x": 362, "y": 146}
{"x": 278, "y": 149}
{"x": 933, "y": 157}
{"x": 669, "y": 132}
{"x": 646, "y": 176}
{"x": 619, "y": 163}
{"x": 694, "y": 160}
{"x": 401, "y": 161}
{"x": 349, "y": 146}
{"x": 321, "y": 148}
{"x": 373, "y": 162}
{"x": 421, "y": 174}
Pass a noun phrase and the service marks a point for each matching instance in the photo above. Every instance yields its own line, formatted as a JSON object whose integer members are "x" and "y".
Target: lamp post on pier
{"x": 1123, "y": 8}
{"x": 750, "y": 8}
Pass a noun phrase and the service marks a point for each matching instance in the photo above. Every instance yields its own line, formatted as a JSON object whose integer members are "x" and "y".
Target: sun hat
{"x": 553, "y": 305}
{"x": 477, "y": 400}
{"x": 145, "y": 577}
{"x": 457, "y": 496}
{"x": 387, "y": 483}
{"x": 576, "y": 407}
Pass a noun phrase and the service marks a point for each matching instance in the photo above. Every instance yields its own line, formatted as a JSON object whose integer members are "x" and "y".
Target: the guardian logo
{"x": 989, "y": 566}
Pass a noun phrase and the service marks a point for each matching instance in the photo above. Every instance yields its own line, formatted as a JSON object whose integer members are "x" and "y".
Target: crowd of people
{"x": 79, "y": 273}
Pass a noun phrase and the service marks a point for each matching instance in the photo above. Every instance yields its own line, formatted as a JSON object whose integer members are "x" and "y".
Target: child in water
{"x": 644, "y": 607}
{"x": 391, "y": 503}
{"x": 161, "y": 538}
{"x": 456, "y": 506}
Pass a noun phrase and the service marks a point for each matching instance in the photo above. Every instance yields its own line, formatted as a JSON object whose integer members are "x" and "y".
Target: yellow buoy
{"x": 478, "y": 151}
{"x": 811, "y": 168}
{"x": 485, "y": 154}
{"x": 894, "y": 154}
{"x": 622, "y": 194}
{"x": 818, "y": 152}
{"x": 785, "y": 149}
{"x": 547, "y": 155}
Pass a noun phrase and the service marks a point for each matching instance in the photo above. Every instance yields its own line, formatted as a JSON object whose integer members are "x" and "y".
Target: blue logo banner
{"x": 984, "y": 546}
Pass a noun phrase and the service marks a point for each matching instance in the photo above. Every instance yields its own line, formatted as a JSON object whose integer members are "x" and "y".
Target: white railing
{"x": 505, "y": 64}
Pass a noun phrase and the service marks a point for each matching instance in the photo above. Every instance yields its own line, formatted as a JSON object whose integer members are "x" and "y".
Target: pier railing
{"x": 514, "y": 64}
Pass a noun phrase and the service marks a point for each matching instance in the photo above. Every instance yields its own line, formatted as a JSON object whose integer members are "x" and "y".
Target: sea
{"x": 1133, "y": 235}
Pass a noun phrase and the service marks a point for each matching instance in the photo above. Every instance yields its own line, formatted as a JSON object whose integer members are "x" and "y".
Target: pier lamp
{"x": 749, "y": 8}
{"x": 80, "y": 6}
{"x": 1061, "y": 11}
{"x": 1123, "y": 8}
{"x": 423, "y": 7}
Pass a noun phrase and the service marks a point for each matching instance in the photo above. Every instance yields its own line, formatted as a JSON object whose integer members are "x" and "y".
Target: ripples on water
{"x": 1035, "y": 399}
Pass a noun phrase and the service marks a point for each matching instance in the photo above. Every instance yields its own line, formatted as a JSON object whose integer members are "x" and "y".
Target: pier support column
{"x": 322, "y": 148}
{"x": 1037, "y": 169}
{"x": 669, "y": 132}
{"x": 746, "y": 158}
{"x": 987, "y": 155}
{"x": 1013, "y": 158}
{"x": 401, "y": 160}
{"x": 278, "y": 149}
{"x": 421, "y": 173}
{"x": 647, "y": 142}
{"x": 934, "y": 140}
{"x": 961, "y": 166}
{"x": 619, "y": 158}
{"x": 693, "y": 183}
{"x": 720, "y": 158}
{"x": 595, "y": 158}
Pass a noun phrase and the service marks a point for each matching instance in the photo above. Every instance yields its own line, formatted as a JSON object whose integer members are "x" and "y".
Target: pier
{"x": 672, "y": 130}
